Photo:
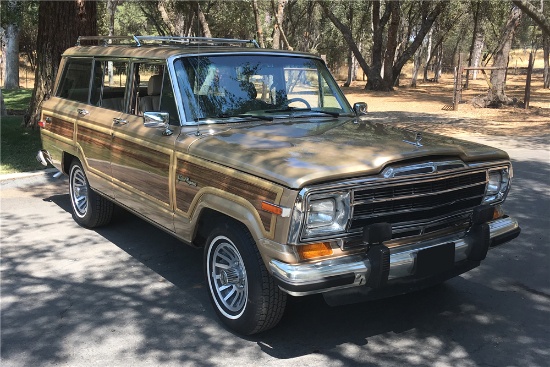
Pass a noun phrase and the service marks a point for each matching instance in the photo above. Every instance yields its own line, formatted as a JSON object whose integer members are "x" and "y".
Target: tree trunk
{"x": 416, "y": 66}
{"x": 428, "y": 55}
{"x": 202, "y": 21}
{"x": 346, "y": 33}
{"x": 425, "y": 27}
{"x": 277, "y": 31}
{"x": 59, "y": 25}
{"x": 438, "y": 63}
{"x": 3, "y": 111}
{"x": 533, "y": 13}
{"x": 111, "y": 11}
{"x": 497, "y": 93}
{"x": 11, "y": 56}
{"x": 11, "y": 80}
{"x": 476, "y": 14}
{"x": 374, "y": 75}
{"x": 350, "y": 69}
{"x": 478, "y": 48}
{"x": 546, "y": 48}
{"x": 259, "y": 31}
{"x": 391, "y": 44}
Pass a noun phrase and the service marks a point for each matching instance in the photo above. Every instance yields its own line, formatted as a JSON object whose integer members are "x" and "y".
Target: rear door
{"x": 74, "y": 116}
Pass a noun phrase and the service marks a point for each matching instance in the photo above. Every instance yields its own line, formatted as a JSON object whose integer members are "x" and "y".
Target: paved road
{"x": 131, "y": 295}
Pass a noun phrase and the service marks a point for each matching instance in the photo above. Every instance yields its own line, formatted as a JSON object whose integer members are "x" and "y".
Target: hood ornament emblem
{"x": 418, "y": 138}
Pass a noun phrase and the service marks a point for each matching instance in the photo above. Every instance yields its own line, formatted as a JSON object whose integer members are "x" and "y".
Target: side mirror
{"x": 157, "y": 120}
{"x": 360, "y": 108}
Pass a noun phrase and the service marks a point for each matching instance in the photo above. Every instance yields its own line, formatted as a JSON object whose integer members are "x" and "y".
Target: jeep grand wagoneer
{"x": 256, "y": 156}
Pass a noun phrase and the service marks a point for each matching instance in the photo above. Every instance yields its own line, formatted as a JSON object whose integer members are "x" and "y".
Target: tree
{"x": 544, "y": 23}
{"x": 278, "y": 32}
{"x": 497, "y": 94}
{"x": 258, "y": 22}
{"x": 11, "y": 20}
{"x": 532, "y": 12}
{"x": 429, "y": 12}
{"x": 60, "y": 23}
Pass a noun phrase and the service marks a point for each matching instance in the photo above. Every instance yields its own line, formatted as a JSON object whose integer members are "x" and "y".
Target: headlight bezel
{"x": 319, "y": 220}
{"x": 498, "y": 184}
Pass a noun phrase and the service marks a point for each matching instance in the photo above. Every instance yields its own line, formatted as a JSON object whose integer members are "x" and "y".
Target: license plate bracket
{"x": 435, "y": 260}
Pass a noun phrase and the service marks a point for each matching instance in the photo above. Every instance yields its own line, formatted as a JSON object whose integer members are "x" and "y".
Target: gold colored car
{"x": 257, "y": 156}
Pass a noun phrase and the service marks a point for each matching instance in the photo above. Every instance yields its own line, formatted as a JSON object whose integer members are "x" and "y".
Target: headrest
{"x": 154, "y": 86}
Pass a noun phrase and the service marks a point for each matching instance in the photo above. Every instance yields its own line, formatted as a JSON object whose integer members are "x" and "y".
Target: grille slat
{"x": 421, "y": 200}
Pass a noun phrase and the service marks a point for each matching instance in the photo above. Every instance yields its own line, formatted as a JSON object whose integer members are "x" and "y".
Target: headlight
{"x": 327, "y": 214}
{"x": 498, "y": 185}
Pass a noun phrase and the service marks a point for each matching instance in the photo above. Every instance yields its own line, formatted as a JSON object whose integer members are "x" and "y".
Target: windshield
{"x": 224, "y": 86}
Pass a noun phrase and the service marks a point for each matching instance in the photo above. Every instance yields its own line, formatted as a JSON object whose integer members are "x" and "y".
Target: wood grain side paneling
{"x": 142, "y": 168}
{"x": 61, "y": 127}
{"x": 205, "y": 177}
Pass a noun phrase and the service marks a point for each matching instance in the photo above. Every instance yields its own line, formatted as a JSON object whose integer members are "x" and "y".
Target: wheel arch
{"x": 212, "y": 208}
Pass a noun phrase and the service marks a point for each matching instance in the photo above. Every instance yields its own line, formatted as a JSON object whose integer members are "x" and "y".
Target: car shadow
{"x": 460, "y": 318}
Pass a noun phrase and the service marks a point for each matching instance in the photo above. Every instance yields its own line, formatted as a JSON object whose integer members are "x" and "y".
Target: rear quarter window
{"x": 75, "y": 82}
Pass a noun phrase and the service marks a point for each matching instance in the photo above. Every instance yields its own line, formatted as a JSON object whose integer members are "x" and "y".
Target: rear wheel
{"x": 89, "y": 208}
{"x": 241, "y": 290}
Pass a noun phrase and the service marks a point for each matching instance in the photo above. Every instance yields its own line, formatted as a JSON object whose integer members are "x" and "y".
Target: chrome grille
{"x": 417, "y": 206}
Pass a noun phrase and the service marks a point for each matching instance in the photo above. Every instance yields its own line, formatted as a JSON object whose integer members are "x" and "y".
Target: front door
{"x": 141, "y": 157}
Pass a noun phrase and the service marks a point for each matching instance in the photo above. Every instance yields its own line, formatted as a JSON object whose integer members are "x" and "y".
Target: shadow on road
{"x": 495, "y": 315}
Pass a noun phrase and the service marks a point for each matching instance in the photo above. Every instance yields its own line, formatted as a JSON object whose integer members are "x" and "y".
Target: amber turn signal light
{"x": 314, "y": 250}
{"x": 272, "y": 208}
{"x": 498, "y": 212}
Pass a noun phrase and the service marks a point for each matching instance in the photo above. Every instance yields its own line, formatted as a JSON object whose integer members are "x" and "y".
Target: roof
{"x": 165, "y": 47}
{"x": 164, "y": 52}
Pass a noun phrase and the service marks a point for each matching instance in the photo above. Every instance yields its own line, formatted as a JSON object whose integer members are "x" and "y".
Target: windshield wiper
{"x": 259, "y": 117}
{"x": 227, "y": 116}
{"x": 294, "y": 109}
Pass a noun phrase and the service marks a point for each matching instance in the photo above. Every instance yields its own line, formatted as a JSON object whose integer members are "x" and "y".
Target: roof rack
{"x": 139, "y": 40}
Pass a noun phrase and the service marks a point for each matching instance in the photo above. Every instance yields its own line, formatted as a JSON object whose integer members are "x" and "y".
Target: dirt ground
{"x": 428, "y": 107}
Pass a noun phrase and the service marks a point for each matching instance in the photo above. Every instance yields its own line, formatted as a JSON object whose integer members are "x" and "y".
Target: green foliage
{"x": 11, "y": 13}
{"x": 18, "y": 146}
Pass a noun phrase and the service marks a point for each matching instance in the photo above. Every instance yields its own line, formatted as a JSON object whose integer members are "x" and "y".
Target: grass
{"x": 17, "y": 99}
{"x": 18, "y": 146}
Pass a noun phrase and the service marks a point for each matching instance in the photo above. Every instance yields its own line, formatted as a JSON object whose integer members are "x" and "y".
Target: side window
{"x": 152, "y": 91}
{"x": 168, "y": 101}
{"x": 75, "y": 82}
{"x": 114, "y": 78}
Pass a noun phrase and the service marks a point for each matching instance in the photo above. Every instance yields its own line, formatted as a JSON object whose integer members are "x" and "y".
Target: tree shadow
{"x": 65, "y": 288}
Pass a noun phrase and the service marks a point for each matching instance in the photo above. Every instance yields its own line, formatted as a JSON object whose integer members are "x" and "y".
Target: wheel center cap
{"x": 230, "y": 276}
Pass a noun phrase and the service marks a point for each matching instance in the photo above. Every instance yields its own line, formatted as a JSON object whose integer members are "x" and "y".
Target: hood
{"x": 303, "y": 152}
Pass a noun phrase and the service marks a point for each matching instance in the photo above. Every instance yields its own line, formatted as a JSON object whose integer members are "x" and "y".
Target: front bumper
{"x": 355, "y": 270}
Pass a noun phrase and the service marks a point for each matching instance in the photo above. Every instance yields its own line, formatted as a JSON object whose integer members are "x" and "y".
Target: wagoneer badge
{"x": 187, "y": 180}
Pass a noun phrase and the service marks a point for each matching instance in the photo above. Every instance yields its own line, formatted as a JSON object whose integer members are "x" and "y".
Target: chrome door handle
{"x": 83, "y": 112}
{"x": 118, "y": 121}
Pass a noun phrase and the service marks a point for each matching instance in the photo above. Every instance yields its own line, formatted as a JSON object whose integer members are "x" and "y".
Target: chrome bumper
{"x": 354, "y": 270}
{"x": 44, "y": 157}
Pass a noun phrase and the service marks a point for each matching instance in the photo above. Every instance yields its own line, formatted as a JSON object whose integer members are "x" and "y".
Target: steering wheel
{"x": 297, "y": 99}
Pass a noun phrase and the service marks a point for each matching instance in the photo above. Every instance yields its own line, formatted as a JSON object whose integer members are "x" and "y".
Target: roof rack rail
{"x": 139, "y": 40}
{"x": 106, "y": 39}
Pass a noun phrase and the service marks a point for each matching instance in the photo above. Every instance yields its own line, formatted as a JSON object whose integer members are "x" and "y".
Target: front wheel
{"x": 242, "y": 292}
{"x": 89, "y": 208}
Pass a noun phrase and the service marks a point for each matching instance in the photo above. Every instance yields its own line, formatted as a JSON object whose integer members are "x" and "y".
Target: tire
{"x": 90, "y": 209}
{"x": 241, "y": 290}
